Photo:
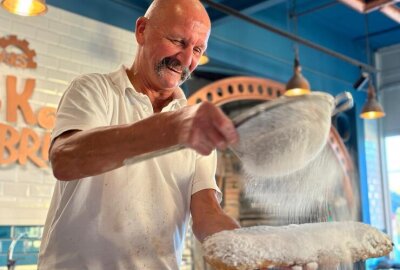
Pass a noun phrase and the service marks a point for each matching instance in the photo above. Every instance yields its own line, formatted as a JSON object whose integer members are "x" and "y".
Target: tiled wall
{"x": 66, "y": 45}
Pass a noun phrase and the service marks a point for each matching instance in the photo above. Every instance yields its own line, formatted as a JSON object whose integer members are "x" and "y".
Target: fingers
{"x": 202, "y": 145}
{"x": 225, "y": 126}
{"x": 217, "y": 139}
{"x": 207, "y": 140}
{"x": 206, "y": 127}
{"x": 221, "y": 131}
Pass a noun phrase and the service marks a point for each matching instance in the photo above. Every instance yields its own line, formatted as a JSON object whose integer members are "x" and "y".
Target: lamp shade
{"x": 203, "y": 59}
{"x": 25, "y": 7}
{"x": 372, "y": 109}
{"x": 297, "y": 85}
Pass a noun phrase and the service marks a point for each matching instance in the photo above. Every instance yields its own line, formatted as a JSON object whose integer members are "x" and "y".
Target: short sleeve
{"x": 204, "y": 176}
{"x": 83, "y": 106}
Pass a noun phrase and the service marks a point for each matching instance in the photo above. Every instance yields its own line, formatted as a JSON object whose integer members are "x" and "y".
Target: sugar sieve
{"x": 282, "y": 136}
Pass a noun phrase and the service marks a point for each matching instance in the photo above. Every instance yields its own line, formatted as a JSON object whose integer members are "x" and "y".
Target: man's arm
{"x": 208, "y": 216}
{"x": 78, "y": 154}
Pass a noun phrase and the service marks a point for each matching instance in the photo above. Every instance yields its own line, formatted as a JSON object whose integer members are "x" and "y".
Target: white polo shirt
{"x": 134, "y": 217}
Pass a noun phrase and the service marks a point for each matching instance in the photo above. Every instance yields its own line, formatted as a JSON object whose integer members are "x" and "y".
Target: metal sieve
{"x": 279, "y": 136}
{"x": 283, "y": 136}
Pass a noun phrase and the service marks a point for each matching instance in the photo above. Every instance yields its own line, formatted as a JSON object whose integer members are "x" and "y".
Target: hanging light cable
{"x": 25, "y": 7}
{"x": 371, "y": 109}
{"x": 297, "y": 85}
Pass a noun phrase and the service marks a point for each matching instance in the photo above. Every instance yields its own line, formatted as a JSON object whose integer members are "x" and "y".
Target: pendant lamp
{"x": 297, "y": 85}
{"x": 372, "y": 109}
{"x": 25, "y": 7}
{"x": 203, "y": 59}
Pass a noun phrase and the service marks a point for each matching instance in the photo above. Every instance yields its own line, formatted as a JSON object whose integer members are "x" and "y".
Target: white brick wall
{"x": 66, "y": 45}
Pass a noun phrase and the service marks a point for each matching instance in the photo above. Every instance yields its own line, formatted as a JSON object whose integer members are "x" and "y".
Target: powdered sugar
{"x": 285, "y": 138}
{"x": 309, "y": 245}
{"x": 301, "y": 196}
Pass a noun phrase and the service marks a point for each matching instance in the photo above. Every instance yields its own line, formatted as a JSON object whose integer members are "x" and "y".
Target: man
{"x": 107, "y": 215}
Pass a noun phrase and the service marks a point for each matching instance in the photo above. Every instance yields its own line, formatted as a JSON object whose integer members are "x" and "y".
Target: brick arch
{"x": 238, "y": 88}
{"x": 254, "y": 88}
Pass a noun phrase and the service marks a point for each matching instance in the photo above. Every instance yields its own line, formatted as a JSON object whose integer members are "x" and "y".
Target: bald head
{"x": 171, "y": 37}
{"x": 161, "y": 11}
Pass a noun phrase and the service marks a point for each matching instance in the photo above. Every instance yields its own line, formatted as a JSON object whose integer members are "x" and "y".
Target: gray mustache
{"x": 169, "y": 62}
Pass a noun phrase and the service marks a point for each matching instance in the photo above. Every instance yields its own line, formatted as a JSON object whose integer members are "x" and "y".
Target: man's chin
{"x": 171, "y": 82}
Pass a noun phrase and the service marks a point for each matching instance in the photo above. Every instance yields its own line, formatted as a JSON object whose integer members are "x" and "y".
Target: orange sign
{"x": 26, "y": 144}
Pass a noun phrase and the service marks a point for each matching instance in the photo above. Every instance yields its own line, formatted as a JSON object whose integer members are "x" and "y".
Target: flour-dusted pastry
{"x": 311, "y": 244}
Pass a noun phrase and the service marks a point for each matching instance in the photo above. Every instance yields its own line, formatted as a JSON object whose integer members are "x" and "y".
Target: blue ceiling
{"x": 239, "y": 47}
{"x": 336, "y": 16}
{"x": 332, "y": 14}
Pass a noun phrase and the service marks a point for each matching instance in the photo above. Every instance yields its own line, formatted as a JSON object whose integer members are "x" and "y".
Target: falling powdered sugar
{"x": 285, "y": 138}
{"x": 302, "y": 196}
{"x": 309, "y": 245}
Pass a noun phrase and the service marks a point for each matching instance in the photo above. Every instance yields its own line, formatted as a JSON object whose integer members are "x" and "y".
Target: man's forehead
{"x": 184, "y": 29}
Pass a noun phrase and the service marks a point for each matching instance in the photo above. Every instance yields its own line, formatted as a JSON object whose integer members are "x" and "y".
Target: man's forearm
{"x": 208, "y": 216}
{"x": 214, "y": 224}
{"x": 95, "y": 151}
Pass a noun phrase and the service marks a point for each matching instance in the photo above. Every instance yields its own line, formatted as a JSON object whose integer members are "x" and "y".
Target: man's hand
{"x": 204, "y": 127}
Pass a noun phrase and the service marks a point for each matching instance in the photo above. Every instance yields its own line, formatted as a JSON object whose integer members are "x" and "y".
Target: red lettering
{"x": 46, "y": 117}
{"x": 17, "y": 101}
{"x": 28, "y": 148}
{"x": 46, "y": 146}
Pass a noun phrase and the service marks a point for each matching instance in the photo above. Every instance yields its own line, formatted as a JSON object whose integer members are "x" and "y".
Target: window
{"x": 392, "y": 150}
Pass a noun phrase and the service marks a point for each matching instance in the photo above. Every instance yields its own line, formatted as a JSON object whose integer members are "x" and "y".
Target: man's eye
{"x": 197, "y": 50}
{"x": 177, "y": 42}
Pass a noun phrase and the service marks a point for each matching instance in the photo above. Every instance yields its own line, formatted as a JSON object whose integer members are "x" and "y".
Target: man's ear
{"x": 139, "y": 30}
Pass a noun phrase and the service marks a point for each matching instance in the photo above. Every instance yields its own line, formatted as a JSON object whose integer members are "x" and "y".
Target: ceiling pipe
{"x": 378, "y": 33}
{"x": 290, "y": 36}
{"x": 317, "y": 8}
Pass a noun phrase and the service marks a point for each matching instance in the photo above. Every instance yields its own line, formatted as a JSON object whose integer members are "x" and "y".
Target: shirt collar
{"x": 121, "y": 80}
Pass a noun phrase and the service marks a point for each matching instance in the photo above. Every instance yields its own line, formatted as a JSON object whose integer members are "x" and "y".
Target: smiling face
{"x": 172, "y": 37}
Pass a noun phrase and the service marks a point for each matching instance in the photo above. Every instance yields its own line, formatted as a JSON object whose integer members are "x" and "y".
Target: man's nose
{"x": 186, "y": 56}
